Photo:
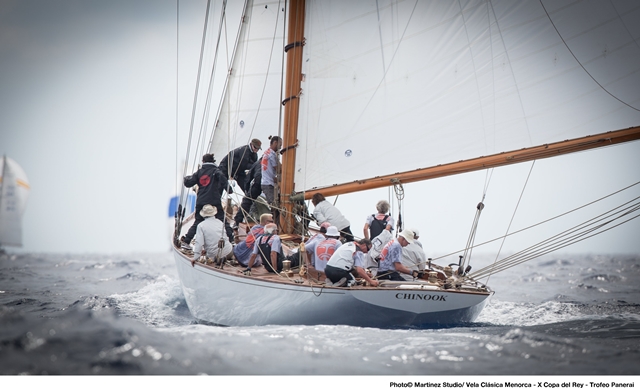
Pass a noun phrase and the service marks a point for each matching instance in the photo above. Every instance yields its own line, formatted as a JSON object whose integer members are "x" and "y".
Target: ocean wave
{"x": 532, "y": 314}
{"x": 160, "y": 303}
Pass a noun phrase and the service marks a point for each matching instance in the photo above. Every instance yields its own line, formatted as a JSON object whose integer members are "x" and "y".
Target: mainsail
{"x": 397, "y": 86}
{"x": 14, "y": 189}
{"x": 390, "y": 87}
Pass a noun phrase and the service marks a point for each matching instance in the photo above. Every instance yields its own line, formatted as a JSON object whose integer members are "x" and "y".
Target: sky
{"x": 88, "y": 109}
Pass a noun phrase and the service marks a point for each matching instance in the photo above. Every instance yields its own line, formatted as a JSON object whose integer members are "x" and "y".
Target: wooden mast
{"x": 293, "y": 76}
{"x": 484, "y": 162}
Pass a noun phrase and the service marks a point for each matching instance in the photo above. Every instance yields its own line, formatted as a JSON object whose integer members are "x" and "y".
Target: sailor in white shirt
{"x": 346, "y": 258}
{"x": 413, "y": 256}
{"x": 324, "y": 211}
{"x": 211, "y": 236}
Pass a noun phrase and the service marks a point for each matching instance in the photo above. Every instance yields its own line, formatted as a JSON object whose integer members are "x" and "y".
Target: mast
{"x": 484, "y": 162}
{"x": 293, "y": 76}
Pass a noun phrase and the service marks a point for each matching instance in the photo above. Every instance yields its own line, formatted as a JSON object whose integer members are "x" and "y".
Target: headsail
{"x": 251, "y": 103}
{"x": 396, "y": 86}
{"x": 14, "y": 189}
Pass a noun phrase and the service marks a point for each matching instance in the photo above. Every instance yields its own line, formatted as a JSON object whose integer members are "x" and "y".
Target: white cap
{"x": 333, "y": 231}
{"x": 408, "y": 235}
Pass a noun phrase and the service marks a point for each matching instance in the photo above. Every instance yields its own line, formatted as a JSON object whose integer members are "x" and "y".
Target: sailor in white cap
{"x": 211, "y": 236}
{"x": 391, "y": 258}
{"x": 413, "y": 256}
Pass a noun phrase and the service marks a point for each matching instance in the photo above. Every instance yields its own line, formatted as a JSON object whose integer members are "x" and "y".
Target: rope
{"x": 514, "y": 211}
{"x": 398, "y": 189}
{"x": 197, "y": 88}
{"x": 177, "y": 83}
{"x": 571, "y": 236}
{"x": 183, "y": 196}
{"x": 207, "y": 107}
{"x": 542, "y": 222}
{"x": 264, "y": 87}
{"x": 466, "y": 257}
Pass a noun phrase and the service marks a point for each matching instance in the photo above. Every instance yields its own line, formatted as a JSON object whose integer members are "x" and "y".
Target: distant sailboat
{"x": 387, "y": 93}
{"x": 14, "y": 189}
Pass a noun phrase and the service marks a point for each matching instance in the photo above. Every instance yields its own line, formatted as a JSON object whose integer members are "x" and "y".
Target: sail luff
{"x": 291, "y": 103}
{"x": 484, "y": 162}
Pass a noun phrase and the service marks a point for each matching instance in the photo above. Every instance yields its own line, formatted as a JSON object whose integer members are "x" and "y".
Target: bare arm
{"x": 401, "y": 268}
{"x": 363, "y": 274}
{"x": 252, "y": 260}
{"x": 365, "y": 230}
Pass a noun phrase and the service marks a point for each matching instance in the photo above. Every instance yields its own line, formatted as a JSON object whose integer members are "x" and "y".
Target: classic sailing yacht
{"x": 446, "y": 88}
{"x": 14, "y": 190}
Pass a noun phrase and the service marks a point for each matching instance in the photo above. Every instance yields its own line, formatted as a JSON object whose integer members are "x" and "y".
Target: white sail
{"x": 395, "y": 86}
{"x": 251, "y": 103}
{"x": 14, "y": 189}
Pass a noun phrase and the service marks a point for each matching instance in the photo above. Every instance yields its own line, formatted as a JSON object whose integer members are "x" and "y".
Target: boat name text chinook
{"x": 441, "y": 298}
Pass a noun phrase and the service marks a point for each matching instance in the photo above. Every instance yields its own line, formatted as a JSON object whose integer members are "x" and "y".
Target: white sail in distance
{"x": 14, "y": 190}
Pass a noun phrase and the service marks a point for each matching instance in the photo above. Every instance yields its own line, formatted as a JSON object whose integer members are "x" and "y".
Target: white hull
{"x": 232, "y": 299}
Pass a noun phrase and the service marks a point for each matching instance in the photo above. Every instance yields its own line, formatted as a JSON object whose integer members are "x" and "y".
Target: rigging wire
{"x": 545, "y": 221}
{"x": 571, "y": 236}
{"x": 264, "y": 86}
{"x": 207, "y": 106}
{"x": 553, "y": 244}
{"x": 572, "y": 233}
{"x": 580, "y": 63}
{"x": 183, "y": 192}
{"x": 176, "y": 215}
{"x": 465, "y": 259}
{"x": 197, "y": 87}
{"x": 177, "y": 86}
{"x": 514, "y": 211}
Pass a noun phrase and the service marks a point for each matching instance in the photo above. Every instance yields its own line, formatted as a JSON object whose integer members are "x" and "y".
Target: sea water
{"x": 126, "y": 315}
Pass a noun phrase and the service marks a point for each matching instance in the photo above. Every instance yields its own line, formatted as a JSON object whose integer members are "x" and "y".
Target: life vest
{"x": 377, "y": 226}
{"x": 264, "y": 250}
